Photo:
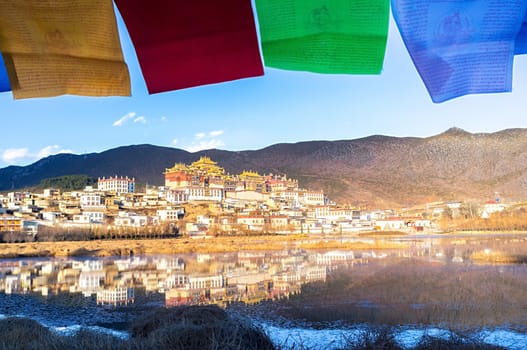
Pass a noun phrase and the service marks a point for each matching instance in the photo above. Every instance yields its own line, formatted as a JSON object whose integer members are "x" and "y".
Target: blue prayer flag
{"x": 461, "y": 47}
{"x": 4, "y": 79}
{"x": 521, "y": 39}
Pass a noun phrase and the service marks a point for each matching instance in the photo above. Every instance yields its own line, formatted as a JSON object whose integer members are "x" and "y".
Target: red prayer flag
{"x": 180, "y": 44}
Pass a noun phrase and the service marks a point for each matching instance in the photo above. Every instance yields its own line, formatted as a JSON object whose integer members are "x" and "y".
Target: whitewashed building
{"x": 491, "y": 207}
{"x": 116, "y": 184}
{"x": 91, "y": 201}
{"x": 251, "y": 222}
{"x": 89, "y": 217}
{"x": 170, "y": 214}
{"x": 175, "y": 196}
{"x": 130, "y": 220}
{"x": 392, "y": 223}
{"x": 311, "y": 198}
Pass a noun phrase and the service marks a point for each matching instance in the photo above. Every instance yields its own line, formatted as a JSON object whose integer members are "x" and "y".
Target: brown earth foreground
{"x": 185, "y": 245}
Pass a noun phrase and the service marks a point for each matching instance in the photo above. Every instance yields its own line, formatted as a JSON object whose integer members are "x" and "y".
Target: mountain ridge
{"x": 376, "y": 170}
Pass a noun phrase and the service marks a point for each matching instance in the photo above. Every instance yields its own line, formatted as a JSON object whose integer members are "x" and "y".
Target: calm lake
{"x": 314, "y": 298}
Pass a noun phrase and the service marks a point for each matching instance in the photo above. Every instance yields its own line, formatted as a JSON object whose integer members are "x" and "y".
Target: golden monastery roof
{"x": 250, "y": 173}
{"x": 177, "y": 167}
{"x": 204, "y": 161}
{"x": 210, "y": 167}
{"x": 207, "y": 165}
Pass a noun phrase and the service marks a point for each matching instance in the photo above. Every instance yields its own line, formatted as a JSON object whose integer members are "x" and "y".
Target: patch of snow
{"x": 72, "y": 330}
{"x": 508, "y": 339}
{"x": 334, "y": 338}
{"x": 313, "y": 339}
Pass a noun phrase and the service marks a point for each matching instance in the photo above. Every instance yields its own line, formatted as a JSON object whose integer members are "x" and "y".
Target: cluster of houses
{"x": 245, "y": 202}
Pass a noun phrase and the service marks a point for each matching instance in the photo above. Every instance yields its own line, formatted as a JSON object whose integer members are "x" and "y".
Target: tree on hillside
{"x": 69, "y": 182}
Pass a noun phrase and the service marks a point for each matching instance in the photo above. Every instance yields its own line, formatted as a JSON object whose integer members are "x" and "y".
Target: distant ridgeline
{"x": 376, "y": 171}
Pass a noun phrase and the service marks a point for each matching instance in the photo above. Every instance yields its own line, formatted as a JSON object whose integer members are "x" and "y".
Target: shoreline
{"x": 220, "y": 244}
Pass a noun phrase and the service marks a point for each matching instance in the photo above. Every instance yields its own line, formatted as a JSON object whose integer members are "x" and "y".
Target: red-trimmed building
{"x": 116, "y": 184}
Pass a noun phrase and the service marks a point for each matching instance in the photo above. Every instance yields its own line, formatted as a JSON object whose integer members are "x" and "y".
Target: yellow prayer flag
{"x": 57, "y": 47}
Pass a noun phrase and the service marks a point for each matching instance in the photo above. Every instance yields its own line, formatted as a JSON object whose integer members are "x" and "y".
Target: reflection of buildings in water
{"x": 315, "y": 273}
{"x": 13, "y": 284}
{"x": 248, "y": 277}
{"x": 130, "y": 263}
{"x": 205, "y": 282}
{"x": 252, "y": 260}
{"x": 292, "y": 260}
{"x": 39, "y": 284}
{"x": 66, "y": 277}
{"x": 116, "y": 296}
{"x": 182, "y": 296}
{"x": 282, "y": 289}
{"x": 88, "y": 265}
{"x": 169, "y": 264}
{"x": 192, "y": 289}
{"x": 90, "y": 282}
{"x": 175, "y": 280}
{"x": 250, "y": 287}
{"x": 334, "y": 257}
{"x": 49, "y": 268}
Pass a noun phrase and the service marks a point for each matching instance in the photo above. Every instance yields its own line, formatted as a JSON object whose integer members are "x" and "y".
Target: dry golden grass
{"x": 498, "y": 257}
{"x": 183, "y": 245}
{"x": 513, "y": 220}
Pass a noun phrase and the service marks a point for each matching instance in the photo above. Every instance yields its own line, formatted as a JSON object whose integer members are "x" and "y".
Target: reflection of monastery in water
{"x": 187, "y": 279}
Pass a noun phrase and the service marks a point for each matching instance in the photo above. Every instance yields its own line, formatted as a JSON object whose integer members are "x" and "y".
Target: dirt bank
{"x": 184, "y": 245}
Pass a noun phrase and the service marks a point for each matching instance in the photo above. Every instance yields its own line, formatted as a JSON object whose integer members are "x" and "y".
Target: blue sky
{"x": 281, "y": 106}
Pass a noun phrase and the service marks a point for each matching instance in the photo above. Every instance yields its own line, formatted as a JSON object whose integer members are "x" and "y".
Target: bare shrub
{"x": 187, "y": 328}
{"x": 454, "y": 341}
{"x": 193, "y": 327}
{"x": 373, "y": 338}
{"x": 86, "y": 339}
{"x": 23, "y": 333}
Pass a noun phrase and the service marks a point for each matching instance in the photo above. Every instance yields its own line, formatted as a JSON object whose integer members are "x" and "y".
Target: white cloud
{"x": 13, "y": 154}
{"x": 164, "y": 119}
{"x": 49, "y": 150}
{"x": 124, "y": 119}
{"x": 174, "y": 141}
{"x": 215, "y": 133}
{"x": 205, "y": 140}
{"x": 209, "y": 144}
{"x": 23, "y": 155}
{"x": 140, "y": 119}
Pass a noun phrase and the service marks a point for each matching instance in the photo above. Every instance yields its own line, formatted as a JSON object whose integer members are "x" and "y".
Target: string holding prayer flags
{"x": 4, "y": 80}
{"x": 58, "y": 47}
{"x": 461, "y": 47}
{"x": 180, "y": 44}
{"x": 324, "y": 36}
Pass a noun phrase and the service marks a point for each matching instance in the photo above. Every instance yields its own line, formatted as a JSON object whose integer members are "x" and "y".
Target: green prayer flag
{"x": 324, "y": 36}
